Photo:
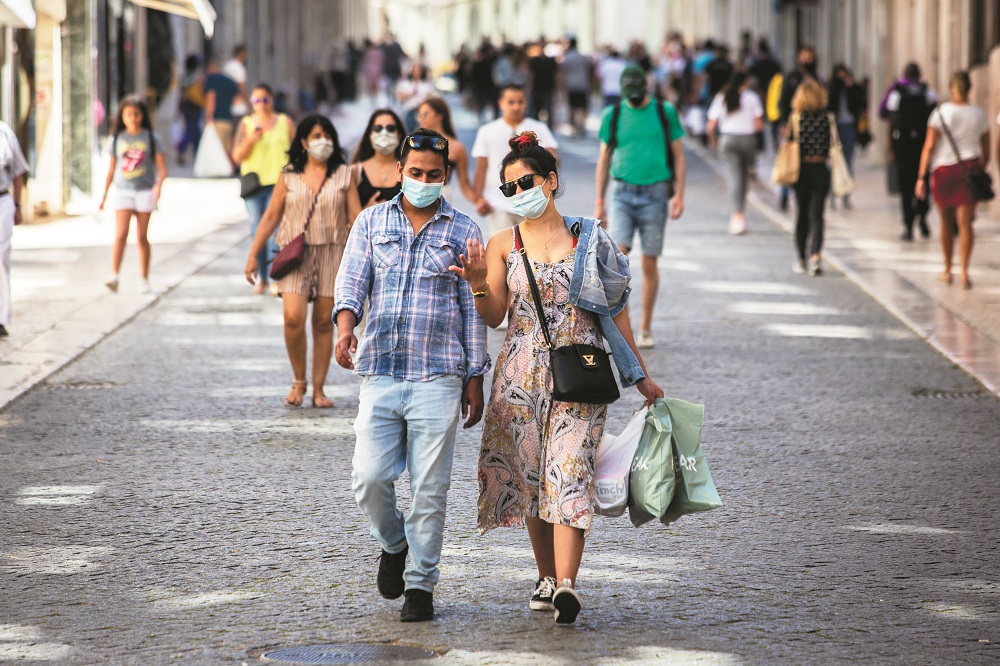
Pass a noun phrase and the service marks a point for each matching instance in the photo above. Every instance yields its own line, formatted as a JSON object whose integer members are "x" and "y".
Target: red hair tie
{"x": 523, "y": 143}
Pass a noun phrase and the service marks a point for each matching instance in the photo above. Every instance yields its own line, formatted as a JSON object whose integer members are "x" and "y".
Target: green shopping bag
{"x": 651, "y": 481}
{"x": 694, "y": 488}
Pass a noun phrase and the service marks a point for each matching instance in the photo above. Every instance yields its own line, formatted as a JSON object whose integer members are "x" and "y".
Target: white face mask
{"x": 321, "y": 149}
{"x": 420, "y": 194}
{"x": 384, "y": 142}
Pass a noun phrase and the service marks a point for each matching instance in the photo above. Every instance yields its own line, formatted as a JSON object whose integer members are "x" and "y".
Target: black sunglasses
{"x": 387, "y": 128}
{"x": 527, "y": 181}
{"x": 423, "y": 142}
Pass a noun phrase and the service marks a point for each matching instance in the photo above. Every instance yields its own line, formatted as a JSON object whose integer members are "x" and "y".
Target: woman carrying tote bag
{"x": 536, "y": 463}
{"x": 964, "y": 148}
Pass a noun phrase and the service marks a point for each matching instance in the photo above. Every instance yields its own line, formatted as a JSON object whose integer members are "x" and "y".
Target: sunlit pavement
{"x": 159, "y": 503}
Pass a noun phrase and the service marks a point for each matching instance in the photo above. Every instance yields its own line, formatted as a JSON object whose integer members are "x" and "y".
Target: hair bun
{"x": 523, "y": 141}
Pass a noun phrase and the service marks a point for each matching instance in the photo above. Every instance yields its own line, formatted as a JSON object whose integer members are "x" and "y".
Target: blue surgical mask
{"x": 421, "y": 195}
{"x": 530, "y": 203}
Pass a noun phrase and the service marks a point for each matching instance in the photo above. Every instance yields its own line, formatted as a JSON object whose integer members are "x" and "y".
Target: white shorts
{"x": 141, "y": 201}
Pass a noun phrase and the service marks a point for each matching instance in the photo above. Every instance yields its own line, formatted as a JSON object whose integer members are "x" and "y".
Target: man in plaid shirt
{"x": 422, "y": 355}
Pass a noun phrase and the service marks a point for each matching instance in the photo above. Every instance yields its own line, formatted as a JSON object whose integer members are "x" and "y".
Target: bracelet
{"x": 482, "y": 294}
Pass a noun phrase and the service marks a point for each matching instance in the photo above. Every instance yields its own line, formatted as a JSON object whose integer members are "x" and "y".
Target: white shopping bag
{"x": 695, "y": 119}
{"x": 211, "y": 160}
{"x": 612, "y": 466}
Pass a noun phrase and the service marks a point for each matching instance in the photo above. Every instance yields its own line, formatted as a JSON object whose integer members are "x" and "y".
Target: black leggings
{"x": 810, "y": 196}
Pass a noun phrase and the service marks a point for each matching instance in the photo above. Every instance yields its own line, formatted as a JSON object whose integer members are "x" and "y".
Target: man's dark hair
{"x": 572, "y": 42}
{"x": 912, "y": 71}
{"x": 510, "y": 86}
{"x": 423, "y": 131}
{"x": 239, "y": 49}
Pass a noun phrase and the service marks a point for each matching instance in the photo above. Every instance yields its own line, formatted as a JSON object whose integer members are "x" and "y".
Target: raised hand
{"x": 473, "y": 268}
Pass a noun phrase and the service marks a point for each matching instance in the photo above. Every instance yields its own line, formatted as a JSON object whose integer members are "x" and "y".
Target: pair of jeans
{"x": 848, "y": 137}
{"x": 810, "y": 197}
{"x": 407, "y": 425}
{"x": 642, "y": 209}
{"x": 256, "y": 205}
{"x": 739, "y": 153}
{"x": 192, "y": 128}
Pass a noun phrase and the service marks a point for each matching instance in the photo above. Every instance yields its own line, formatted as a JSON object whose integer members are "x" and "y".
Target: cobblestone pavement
{"x": 158, "y": 504}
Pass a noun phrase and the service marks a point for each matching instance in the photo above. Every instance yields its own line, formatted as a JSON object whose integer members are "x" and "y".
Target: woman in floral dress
{"x": 536, "y": 465}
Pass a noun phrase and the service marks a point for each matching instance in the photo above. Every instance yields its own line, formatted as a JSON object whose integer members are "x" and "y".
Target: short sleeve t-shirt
{"x": 135, "y": 166}
{"x": 740, "y": 121}
{"x": 491, "y": 143}
{"x": 225, "y": 90}
{"x": 967, "y": 124}
{"x": 640, "y": 158}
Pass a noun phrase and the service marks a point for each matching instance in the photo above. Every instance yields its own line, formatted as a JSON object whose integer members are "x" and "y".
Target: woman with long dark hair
{"x": 137, "y": 171}
{"x": 434, "y": 114}
{"x": 314, "y": 189}
{"x": 737, "y": 114}
{"x": 373, "y": 167}
{"x": 958, "y": 142}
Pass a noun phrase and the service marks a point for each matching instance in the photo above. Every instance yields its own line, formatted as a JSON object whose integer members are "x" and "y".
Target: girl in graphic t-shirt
{"x": 138, "y": 169}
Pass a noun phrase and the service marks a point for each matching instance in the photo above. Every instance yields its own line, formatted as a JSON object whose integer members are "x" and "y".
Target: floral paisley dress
{"x": 537, "y": 455}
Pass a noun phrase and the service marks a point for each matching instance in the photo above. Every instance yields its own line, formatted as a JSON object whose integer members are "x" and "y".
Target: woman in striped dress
{"x": 315, "y": 188}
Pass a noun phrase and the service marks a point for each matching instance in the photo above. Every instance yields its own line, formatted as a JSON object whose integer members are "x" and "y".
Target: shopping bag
{"x": 613, "y": 464}
{"x": 786, "y": 163}
{"x": 211, "y": 160}
{"x": 695, "y": 120}
{"x": 694, "y": 488}
{"x": 841, "y": 181}
{"x": 651, "y": 480}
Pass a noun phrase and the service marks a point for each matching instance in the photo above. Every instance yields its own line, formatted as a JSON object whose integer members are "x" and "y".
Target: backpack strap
{"x": 665, "y": 124}
{"x": 616, "y": 114}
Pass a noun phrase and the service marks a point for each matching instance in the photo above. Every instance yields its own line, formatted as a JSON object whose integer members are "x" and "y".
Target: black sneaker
{"x": 3, "y": 331}
{"x": 541, "y": 600}
{"x": 418, "y": 607}
{"x": 390, "y": 573}
{"x": 925, "y": 231}
{"x": 567, "y": 603}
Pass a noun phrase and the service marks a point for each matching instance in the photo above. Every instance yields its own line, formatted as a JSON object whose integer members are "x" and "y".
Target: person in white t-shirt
{"x": 738, "y": 115}
{"x": 957, "y": 143}
{"x": 236, "y": 69}
{"x": 489, "y": 149}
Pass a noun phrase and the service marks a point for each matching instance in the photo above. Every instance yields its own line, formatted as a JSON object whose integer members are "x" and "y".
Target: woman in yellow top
{"x": 315, "y": 188}
{"x": 261, "y": 147}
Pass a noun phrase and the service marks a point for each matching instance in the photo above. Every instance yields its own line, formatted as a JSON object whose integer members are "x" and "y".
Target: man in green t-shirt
{"x": 643, "y": 183}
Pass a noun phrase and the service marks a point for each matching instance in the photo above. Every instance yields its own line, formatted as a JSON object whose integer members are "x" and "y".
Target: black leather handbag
{"x": 580, "y": 373}
{"x": 249, "y": 184}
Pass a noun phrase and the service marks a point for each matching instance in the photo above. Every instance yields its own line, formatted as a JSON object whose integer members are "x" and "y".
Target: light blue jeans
{"x": 256, "y": 205}
{"x": 642, "y": 209}
{"x": 407, "y": 425}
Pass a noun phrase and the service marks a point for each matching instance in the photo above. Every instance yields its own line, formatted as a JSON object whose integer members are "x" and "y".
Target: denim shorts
{"x": 639, "y": 208}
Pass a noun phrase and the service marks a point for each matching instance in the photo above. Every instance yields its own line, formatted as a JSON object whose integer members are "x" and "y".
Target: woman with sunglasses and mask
{"x": 314, "y": 189}
{"x": 261, "y": 147}
{"x": 374, "y": 162}
{"x": 434, "y": 114}
{"x": 536, "y": 463}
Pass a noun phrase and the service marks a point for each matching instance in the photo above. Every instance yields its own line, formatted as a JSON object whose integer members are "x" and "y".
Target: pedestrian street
{"x": 160, "y": 504}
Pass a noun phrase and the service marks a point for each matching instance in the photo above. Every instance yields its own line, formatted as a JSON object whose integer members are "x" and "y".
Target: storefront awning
{"x": 200, "y": 10}
{"x": 17, "y": 14}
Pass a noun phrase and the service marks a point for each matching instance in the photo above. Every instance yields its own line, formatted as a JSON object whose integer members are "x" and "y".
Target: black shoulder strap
{"x": 615, "y": 116}
{"x": 534, "y": 287}
{"x": 665, "y": 124}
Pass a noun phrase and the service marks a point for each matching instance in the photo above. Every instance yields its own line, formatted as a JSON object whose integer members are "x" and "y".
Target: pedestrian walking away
{"x": 13, "y": 167}
{"x": 136, "y": 173}
{"x": 543, "y": 70}
{"x": 641, "y": 151}
{"x": 313, "y": 197}
{"x": 236, "y": 69}
{"x": 907, "y": 105}
{"x": 434, "y": 114}
{"x": 737, "y": 114}
{"x": 191, "y": 105}
{"x": 805, "y": 68}
{"x": 220, "y": 92}
{"x": 422, "y": 357}
{"x": 490, "y": 147}
{"x": 809, "y": 124}
{"x": 958, "y": 143}
{"x": 536, "y": 462}
{"x": 261, "y": 151}
{"x": 578, "y": 73}
{"x": 847, "y": 102}
{"x": 373, "y": 166}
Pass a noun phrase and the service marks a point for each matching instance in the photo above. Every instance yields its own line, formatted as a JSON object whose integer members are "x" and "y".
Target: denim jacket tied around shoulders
{"x": 600, "y": 285}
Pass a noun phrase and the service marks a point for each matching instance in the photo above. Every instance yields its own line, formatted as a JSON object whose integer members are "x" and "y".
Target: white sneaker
{"x": 645, "y": 340}
{"x": 112, "y": 284}
{"x": 567, "y": 602}
{"x": 145, "y": 287}
{"x": 737, "y": 224}
{"x": 799, "y": 267}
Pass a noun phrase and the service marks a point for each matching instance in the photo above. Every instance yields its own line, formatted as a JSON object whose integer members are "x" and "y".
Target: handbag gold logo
{"x": 588, "y": 360}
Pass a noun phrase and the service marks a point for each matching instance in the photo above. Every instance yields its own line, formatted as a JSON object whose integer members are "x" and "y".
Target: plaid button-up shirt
{"x": 422, "y": 323}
